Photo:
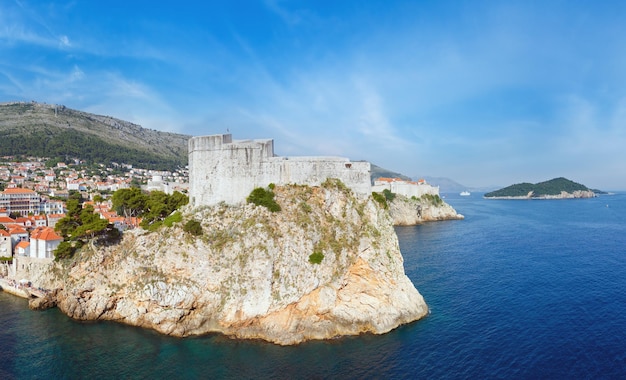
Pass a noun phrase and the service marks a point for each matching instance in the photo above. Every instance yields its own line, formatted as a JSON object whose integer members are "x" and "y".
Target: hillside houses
{"x": 33, "y": 193}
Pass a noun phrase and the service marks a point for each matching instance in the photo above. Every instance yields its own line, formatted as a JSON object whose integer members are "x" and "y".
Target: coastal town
{"x": 34, "y": 194}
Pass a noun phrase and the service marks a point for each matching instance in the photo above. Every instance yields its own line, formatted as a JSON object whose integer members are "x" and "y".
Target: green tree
{"x": 129, "y": 202}
{"x": 160, "y": 205}
{"x": 80, "y": 225}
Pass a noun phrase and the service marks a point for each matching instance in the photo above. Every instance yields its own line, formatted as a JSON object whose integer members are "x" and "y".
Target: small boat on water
{"x": 465, "y": 193}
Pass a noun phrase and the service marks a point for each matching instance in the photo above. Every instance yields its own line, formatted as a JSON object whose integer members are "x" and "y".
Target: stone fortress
{"x": 225, "y": 170}
{"x": 407, "y": 188}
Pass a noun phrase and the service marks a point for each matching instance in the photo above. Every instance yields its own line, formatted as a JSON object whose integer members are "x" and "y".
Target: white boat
{"x": 465, "y": 193}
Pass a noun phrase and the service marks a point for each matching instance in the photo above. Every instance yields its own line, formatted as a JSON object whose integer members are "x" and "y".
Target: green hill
{"x": 55, "y": 131}
{"x": 552, "y": 187}
{"x": 378, "y": 172}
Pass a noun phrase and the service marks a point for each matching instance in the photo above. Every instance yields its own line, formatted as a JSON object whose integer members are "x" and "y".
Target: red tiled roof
{"x": 17, "y": 230}
{"x": 45, "y": 233}
{"x": 18, "y": 190}
{"x": 23, "y": 244}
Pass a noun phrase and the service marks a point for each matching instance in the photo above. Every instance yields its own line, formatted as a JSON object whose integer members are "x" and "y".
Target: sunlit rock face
{"x": 410, "y": 211}
{"x": 328, "y": 264}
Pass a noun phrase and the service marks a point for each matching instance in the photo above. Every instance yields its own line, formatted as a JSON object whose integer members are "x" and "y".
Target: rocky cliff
{"x": 253, "y": 273}
{"x": 411, "y": 211}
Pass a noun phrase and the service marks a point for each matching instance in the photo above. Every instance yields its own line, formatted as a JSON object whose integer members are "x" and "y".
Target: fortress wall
{"x": 412, "y": 190}
{"x": 407, "y": 189}
{"x": 222, "y": 169}
{"x": 313, "y": 171}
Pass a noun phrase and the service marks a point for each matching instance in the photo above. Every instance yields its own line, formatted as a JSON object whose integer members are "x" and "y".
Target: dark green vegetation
{"x": 316, "y": 257}
{"x": 33, "y": 129}
{"x": 552, "y": 187}
{"x": 389, "y": 196}
{"x": 380, "y": 198}
{"x": 193, "y": 227}
{"x": 80, "y": 226}
{"x": 434, "y": 200}
{"x": 156, "y": 208}
{"x": 264, "y": 197}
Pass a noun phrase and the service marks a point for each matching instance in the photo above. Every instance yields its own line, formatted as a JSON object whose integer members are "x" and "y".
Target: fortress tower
{"x": 225, "y": 170}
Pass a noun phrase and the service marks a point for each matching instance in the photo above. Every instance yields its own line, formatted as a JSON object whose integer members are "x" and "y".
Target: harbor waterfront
{"x": 516, "y": 290}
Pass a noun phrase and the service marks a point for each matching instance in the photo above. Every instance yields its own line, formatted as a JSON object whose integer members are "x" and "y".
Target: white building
{"x": 6, "y": 244}
{"x": 22, "y": 201}
{"x": 157, "y": 184}
{"x": 43, "y": 242}
{"x": 51, "y": 207}
{"x": 22, "y": 249}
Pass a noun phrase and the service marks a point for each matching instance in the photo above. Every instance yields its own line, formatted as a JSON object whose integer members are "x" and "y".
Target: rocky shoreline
{"x": 580, "y": 194}
{"x": 406, "y": 211}
{"x": 251, "y": 275}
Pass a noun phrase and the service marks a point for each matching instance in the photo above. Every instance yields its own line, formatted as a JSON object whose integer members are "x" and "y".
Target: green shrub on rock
{"x": 316, "y": 257}
{"x": 193, "y": 227}
{"x": 389, "y": 196}
{"x": 378, "y": 197}
{"x": 263, "y": 197}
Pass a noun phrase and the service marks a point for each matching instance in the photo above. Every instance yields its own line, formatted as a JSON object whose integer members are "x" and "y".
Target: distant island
{"x": 557, "y": 188}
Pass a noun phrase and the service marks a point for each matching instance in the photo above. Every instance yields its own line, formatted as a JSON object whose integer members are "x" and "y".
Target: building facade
{"x": 21, "y": 201}
{"x": 225, "y": 170}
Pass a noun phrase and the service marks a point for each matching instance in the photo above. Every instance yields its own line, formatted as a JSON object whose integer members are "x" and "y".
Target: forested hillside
{"x": 34, "y": 129}
{"x": 552, "y": 187}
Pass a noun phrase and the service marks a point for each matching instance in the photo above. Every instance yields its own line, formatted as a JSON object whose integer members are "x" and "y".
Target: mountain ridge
{"x": 31, "y": 128}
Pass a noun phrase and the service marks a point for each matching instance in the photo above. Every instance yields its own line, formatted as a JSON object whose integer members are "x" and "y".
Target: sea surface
{"x": 518, "y": 290}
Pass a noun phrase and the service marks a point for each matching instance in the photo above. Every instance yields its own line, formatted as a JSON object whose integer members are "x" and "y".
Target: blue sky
{"x": 483, "y": 92}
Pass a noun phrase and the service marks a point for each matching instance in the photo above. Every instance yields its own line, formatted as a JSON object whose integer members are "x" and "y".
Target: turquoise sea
{"x": 517, "y": 290}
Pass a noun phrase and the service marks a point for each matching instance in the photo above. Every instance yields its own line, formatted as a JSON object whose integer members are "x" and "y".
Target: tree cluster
{"x": 154, "y": 208}
{"x": 81, "y": 225}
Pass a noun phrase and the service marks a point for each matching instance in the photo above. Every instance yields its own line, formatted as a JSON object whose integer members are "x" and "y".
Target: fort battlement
{"x": 225, "y": 170}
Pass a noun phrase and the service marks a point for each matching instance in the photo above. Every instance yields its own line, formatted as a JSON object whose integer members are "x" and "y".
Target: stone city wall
{"x": 408, "y": 189}
{"x": 225, "y": 170}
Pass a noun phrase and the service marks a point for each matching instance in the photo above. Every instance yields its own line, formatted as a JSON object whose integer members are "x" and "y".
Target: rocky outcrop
{"x": 251, "y": 274}
{"x": 43, "y": 303}
{"x": 411, "y": 211}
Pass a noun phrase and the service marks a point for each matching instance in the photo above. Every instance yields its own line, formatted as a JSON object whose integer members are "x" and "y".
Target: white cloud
{"x": 64, "y": 41}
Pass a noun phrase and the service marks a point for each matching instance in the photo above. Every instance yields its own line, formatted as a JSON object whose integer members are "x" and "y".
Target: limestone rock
{"x": 410, "y": 211}
{"x": 249, "y": 275}
{"x": 43, "y": 303}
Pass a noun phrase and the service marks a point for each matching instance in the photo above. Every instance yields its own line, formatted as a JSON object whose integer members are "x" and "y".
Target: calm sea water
{"x": 519, "y": 289}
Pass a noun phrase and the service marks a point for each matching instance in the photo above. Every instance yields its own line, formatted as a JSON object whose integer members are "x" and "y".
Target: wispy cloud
{"x": 25, "y": 24}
